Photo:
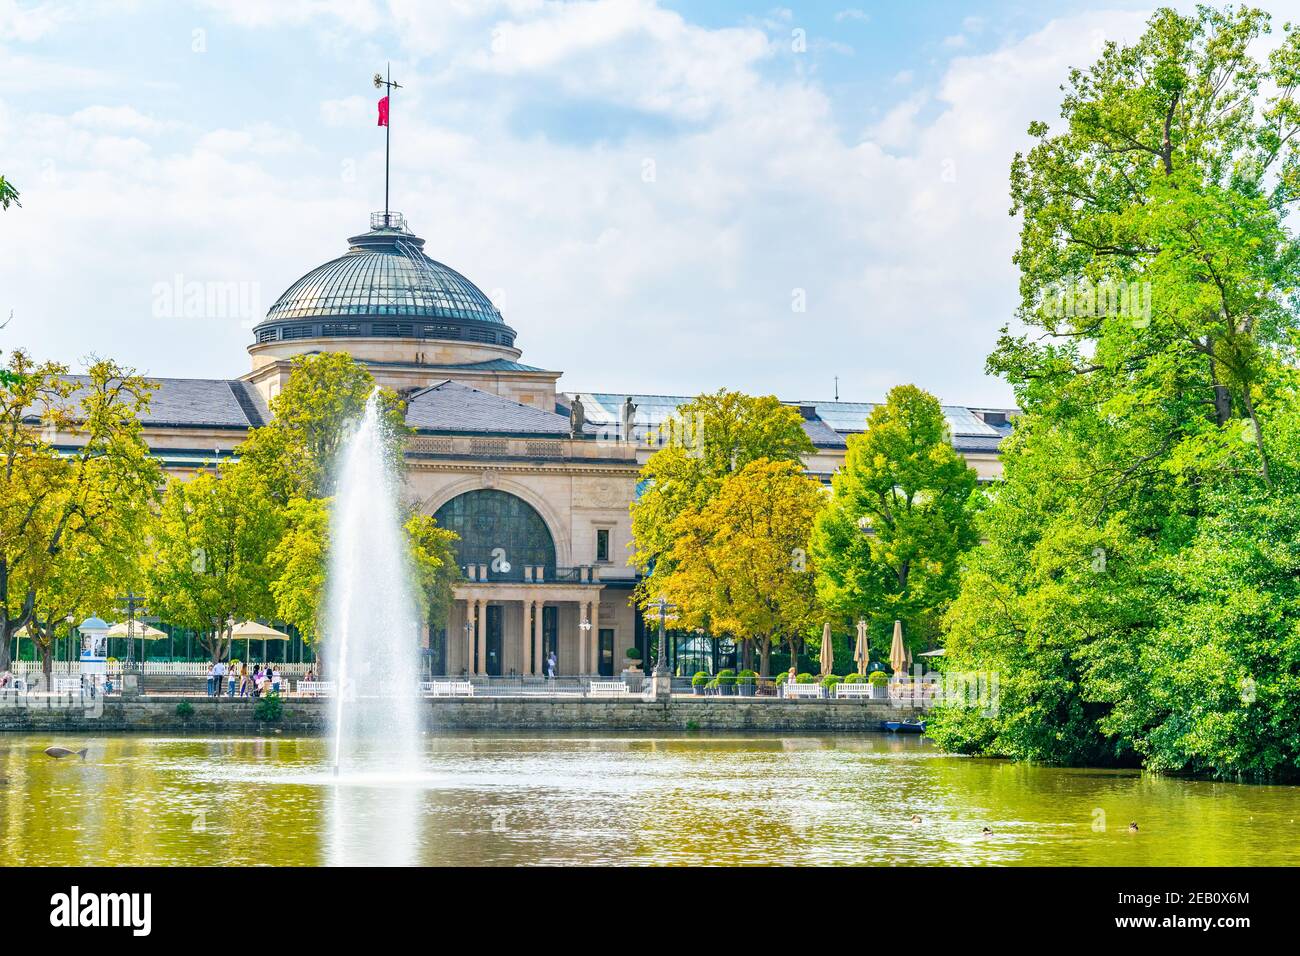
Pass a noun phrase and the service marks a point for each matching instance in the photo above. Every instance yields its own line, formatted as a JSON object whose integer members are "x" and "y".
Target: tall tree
{"x": 708, "y": 439}
{"x": 209, "y": 567}
{"x": 298, "y": 566}
{"x": 1149, "y": 433}
{"x": 84, "y": 581}
{"x": 313, "y": 415}
{"x": 741, "y": 565}
{"x": 55, "y": 501}
{"x": 900, "y": 518}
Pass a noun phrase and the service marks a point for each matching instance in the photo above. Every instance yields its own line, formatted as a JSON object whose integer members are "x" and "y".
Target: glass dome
{"x": 385, "y": 286}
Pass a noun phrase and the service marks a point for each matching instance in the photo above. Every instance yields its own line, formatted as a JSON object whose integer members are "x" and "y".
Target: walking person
{"x": 231, "y": 679}
{"x": 550, "y": 666}
{"x": 214, "y": 683}
{"x": 218, "y": 677}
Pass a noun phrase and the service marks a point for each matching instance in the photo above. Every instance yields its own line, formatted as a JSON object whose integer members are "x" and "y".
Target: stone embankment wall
{"x": 157, "y": 714}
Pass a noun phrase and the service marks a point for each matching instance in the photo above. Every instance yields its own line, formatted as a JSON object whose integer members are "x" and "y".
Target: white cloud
{"x": 899, "y": 238}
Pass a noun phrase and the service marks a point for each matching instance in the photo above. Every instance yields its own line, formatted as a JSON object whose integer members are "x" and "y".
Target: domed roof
{"x": 385, "y": 286}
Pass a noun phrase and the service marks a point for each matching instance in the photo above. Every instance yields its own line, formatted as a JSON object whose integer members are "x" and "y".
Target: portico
{"x": 503, "y": 628}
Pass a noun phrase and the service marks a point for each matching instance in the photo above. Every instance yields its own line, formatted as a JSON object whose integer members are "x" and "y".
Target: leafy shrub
{"x": 805, "y": 679}
{"x": 700, "y": 679}
{"x": 854, "y": 679}
{"x": 268, "y": 708}
{"x": 781, "y": 678}
{"x": 184, "y": 709}
{"x": 830, "y": 680}
{"x": 747, "y": 677}
{"x": 633, "y": 653}
{"x": 726, "y": 678}
{"x": 878, "y": 679}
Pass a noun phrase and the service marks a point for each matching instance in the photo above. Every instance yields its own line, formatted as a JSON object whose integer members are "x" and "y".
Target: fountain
{"x": 370, "y": 630}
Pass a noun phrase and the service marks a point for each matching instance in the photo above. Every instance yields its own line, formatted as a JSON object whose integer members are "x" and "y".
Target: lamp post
{"x": 662, "y": 675}
{"x": 132, "y": 603}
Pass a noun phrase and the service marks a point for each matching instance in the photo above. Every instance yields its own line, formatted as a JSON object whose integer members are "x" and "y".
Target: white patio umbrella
{"x": 861, "y": 653}
{"x": 141, "y": 631}
{"x": 898, "y": 655}
{"x": 253, "y": 631}
{"x": 828, "y": 653}
{"x": 137, "y": 631}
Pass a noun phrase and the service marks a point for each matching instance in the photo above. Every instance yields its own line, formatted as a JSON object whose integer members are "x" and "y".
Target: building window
{"x": 602, "y": 544}
{"x": 500, "y": 532}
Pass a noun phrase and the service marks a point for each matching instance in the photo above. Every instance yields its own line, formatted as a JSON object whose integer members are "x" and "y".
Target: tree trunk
{"x": 47, "y": 658}
{"x": 5, "y": 660}
{"x": 765, "y": 657}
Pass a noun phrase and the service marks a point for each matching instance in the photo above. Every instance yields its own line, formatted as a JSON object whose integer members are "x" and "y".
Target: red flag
{"x": 383, "y": 112}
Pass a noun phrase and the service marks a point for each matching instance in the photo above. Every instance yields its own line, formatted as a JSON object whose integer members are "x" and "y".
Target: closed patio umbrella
{"x": 828, "y": 653}
{"x": 897, "y": 651}
{"x": 861, "y": 654}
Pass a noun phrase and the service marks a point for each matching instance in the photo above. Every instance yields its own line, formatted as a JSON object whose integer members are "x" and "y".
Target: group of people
{"x": 239, "y": 681}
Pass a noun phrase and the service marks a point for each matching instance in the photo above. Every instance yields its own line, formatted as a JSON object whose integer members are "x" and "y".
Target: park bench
{"x": 314, "y": 688}
{"x": 853, "y": 690}
{"x": 607, "y": 688}
{"x": 801, "y": 690}
{"x": 451, "y": 688}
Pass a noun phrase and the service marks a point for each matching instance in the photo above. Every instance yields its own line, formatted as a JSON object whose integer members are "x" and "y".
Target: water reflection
{"x": 493, "y": 799}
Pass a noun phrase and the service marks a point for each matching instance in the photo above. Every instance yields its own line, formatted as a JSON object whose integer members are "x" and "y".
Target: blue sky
{"x": 646, "y": 189}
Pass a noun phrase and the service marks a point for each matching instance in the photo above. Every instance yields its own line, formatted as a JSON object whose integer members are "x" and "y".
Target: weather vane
{"x": 388, "y": 85}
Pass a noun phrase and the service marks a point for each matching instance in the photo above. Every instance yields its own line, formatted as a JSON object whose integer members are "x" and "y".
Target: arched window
{"x": 501, "y": 531}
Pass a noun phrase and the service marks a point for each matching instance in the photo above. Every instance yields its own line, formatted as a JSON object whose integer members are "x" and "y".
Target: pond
{"x": 524, "y": 799}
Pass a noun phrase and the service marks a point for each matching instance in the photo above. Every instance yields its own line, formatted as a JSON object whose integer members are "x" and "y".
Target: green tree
{"x": 1157, "y": 422}
{"x": 8, "y": 194}
{"x": 87, "y": 577}
{"x": 899, "y": 520}
{"x": 321, "y": 402}
{"x": 209, "y": 567}
{"x": 708, "y": 439}
{"x": 434, "y": 568}
{"x": 298, "y": 566}
{"x": 53, "y": 502}
{"x": 741, "y": 566}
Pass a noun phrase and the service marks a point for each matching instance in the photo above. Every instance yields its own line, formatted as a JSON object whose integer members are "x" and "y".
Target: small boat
{"x": 903, "y": 727}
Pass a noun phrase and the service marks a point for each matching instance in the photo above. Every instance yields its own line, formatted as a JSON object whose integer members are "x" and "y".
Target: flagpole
{"x": 388, "y": 133}
{"x": 386, "y": 116}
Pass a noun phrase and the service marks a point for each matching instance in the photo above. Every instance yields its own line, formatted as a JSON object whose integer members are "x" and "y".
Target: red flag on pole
{"x": 383, "y": 112}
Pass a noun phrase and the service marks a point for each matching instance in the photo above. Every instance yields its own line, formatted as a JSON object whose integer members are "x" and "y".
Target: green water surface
{"x": 499, "y": 799}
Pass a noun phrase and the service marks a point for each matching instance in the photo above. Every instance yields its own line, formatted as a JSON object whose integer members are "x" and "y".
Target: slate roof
{"x": 453, "y": 407}
{"x": 199, "y": 403}
{"x": 827, "y": 424}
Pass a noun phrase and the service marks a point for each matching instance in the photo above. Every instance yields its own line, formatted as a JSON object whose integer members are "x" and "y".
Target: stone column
{"x": 480, "y": 634}
{"x": 595, "y": 636}
{"x": 582, "y": 638}
{"x": 539, "y": 651}
{"x": 526, "y": 640}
